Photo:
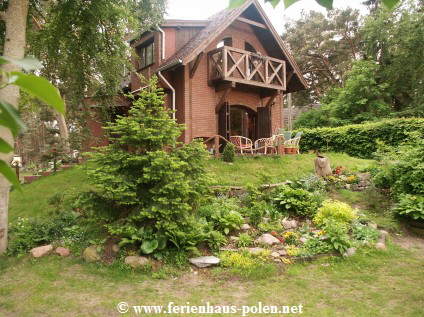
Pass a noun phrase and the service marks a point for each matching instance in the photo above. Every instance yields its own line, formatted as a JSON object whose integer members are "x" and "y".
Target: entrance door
{"x": 242, "y": 121}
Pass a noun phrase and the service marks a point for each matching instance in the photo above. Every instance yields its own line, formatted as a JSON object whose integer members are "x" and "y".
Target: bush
{"x": 153, "y": 183}
{"x": 222, "y": 214}
{"x": 295, "y": 201}
{"x": 360, "y": 140}
{"x": 28, "y": 233}
{"x": 244, "y": 240}
{"x": 402, "y": 168}
{"x": 335, "y": 210}
{"x": 410, "y": 206}
{"x": 229, "y": 153}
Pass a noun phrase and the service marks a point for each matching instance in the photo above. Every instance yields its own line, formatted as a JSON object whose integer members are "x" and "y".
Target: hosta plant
{"x": 410, "y": 206}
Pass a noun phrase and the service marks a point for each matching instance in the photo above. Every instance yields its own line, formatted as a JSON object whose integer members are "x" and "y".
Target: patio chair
{"x": 265, "y": 143}
{"x": 242, "y": 143}
{"x": 296, "y": 142}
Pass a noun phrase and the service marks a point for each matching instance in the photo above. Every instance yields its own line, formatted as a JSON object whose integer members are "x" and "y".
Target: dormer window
{"x": 146, "y": 52}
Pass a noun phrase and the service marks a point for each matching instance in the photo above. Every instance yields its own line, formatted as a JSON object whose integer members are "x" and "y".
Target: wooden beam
{"x": 272, "y": 98}
{"x": 193, "y": 68}
{"x": 222, "y": 100}
{"x": 225, "y": 86}
{"x": 289, "y": 76}
{"x": 248, "y": 21}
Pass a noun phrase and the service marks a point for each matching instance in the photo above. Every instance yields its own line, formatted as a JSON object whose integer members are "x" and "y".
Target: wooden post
{"x": 216, "y": 147}
{"x": 278, "y": 145}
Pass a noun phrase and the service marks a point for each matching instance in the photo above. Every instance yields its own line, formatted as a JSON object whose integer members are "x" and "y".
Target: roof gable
{"x": 250, "y": 10}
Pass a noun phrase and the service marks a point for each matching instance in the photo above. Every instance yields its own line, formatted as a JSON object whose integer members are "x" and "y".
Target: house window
{"x": 228, "y": 41}
{"x": 147, "y": 54}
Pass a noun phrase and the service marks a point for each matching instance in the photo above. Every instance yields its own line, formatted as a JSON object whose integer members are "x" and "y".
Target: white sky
{"x": 202, "y": 9}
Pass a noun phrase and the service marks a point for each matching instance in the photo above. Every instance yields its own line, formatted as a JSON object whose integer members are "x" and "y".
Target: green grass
{"x": 371, "y": 283}
{"x": 254, "y": 169}
{"x": 33, "y": 201}
{"x": 245, "y": 170}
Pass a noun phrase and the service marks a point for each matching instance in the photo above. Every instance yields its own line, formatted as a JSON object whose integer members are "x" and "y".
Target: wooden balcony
{"x": 239, "y": 66}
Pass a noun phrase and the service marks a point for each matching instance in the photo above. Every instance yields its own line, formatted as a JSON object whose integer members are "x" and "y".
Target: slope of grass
{"x": 278, "y": 169}
{"x": 255, "y": 170}
{"x": 33, "y": 201}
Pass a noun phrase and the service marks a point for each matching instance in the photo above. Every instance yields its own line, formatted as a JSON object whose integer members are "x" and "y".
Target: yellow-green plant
{"x": 337, "y": 210}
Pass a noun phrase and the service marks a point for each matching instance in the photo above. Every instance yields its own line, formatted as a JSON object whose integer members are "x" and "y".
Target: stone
{"x": 282, "y": 252}
{"x": 233, "y": 238}
{"x": 384, "y": 233}
{"x": 255, "y": 250}
{"x": 349, "y": 252}
{"x": 205, "y": 261}
{"x": 90, "y": 254}
{"x": 268, "y": 239}
{"x": 115, "y": 248}
{"x": 265, "y": 220}
{"x": 44, "y": 250}
{"x": 62, "y": 251}
{"x": 294, "y": 224}
{"x": 380, "y": 246}
{"x": 245, "y": 227}
{"x": 287, "y": 224}
{"x": 303, "y": 240}
{"x": 275, "y": 254}
{"x": 136, "y": 261}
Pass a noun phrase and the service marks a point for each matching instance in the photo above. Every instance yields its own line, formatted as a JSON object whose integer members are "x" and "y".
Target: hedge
{"x": 360, "y": 139}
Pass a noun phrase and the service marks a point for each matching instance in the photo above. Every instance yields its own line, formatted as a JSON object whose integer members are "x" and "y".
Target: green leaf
{"x": 326, "y": 3}
{"x": 10, "y": 175}
{"x": 5, "y": 147}
{"x": 288, "y": 3}
{"x": 38, "y": 87}
{"x": 27, "y": 63}
{"x": 149, "y": 246}
{"x": 227, "y": 230}
{"x": 9, "y": 118}
{"x": 235, "y": 3}
{"x": 390, "y": 3}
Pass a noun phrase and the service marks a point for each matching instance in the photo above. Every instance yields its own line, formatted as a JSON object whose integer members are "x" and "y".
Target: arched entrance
{"x": 241, "y": 120}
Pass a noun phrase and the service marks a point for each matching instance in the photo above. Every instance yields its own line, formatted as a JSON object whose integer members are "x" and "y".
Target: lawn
{"x": 256, "y": 170}
{"x": 371, "y": 283}
{"x": 245, "y": 170}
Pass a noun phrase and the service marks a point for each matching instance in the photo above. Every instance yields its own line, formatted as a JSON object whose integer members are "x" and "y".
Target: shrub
{"x": 334, "y": 210}
{"x": 244, "y": 240}
{"x": 229, "y": 153}
{"x": 28, "y": 233}
{"x": 336, "y": 233}
{"x": 222, "y": 214}
{"x": 365, "y": 233}
{"x": 360, "y": 140}
{"x": 215, "y": 240}
{"x": 404, "y": 171}
{"x": 153, "y": 183}
{"x": 295, "y": 201}
{"x": 410, "y": 206}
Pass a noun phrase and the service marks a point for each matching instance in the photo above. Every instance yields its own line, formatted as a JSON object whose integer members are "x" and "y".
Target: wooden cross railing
{"x": 233, "y": 64}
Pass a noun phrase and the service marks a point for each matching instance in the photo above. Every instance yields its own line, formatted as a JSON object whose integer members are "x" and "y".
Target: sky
{"x": 202, "y": 9}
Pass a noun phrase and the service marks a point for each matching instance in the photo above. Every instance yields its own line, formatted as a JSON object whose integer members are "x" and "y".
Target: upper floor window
{"x": 228, "y": 41}
{"x": 147, "y": 54}
{"x": 249, "y": 47}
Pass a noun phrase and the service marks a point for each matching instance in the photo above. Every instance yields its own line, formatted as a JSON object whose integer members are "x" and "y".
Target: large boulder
{"x": 90, "y": 254}
{"x": 205, "y": 261}
{"x": 39, "y": 252}
{"x": 136, "y": 261}
{"x": 268, "y": 239}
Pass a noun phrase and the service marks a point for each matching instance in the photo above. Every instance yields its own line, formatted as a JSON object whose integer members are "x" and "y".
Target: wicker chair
{"x": 265, "y": 143}
{"x": 242, "y": 143}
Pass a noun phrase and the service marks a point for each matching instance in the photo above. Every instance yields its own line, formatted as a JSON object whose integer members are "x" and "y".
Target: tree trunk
{"x": 63, "y": 130}
{"x": 14, "y": 47}
{"x": 322, "y": 166}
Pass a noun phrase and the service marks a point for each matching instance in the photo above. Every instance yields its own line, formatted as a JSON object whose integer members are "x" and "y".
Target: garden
{"x": 136, "y": 212}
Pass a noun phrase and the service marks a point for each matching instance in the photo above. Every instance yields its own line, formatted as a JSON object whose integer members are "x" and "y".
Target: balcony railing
{"x": 233, "y": 64}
